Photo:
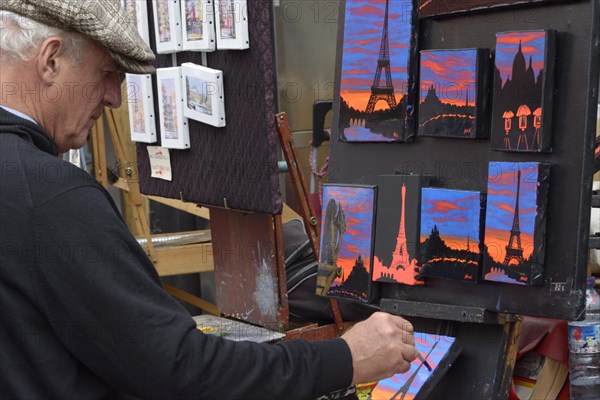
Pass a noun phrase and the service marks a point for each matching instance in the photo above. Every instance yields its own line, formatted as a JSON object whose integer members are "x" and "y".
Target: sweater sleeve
{"x": 104, "y": 301}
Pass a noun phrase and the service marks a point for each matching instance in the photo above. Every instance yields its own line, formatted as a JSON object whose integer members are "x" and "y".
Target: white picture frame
{"x": 167, "y": 26}
{"x": 174, "y": 127}
{"x": 137, "y": 10}
{"x": 231, "y": 21}
{"x": 198, "y": 25}
{"x": 203, "y": 94}
{"x": 140, "y": 101}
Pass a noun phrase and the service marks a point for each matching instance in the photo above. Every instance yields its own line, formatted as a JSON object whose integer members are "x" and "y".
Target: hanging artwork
{"x": 167, "y": 26}
{"x": 523, "y": 86}
{"x": 203, "y": 94}
{"x": 437, "y": 353}
{"x": 451, "y": 234}
{"x": 429, "y": 8}
{"x": 198, "y": 25}
{"x": 137, "y": 11}
{"x": 515, "y": 224}
{"x": 231, "y": 17}
{"x": 377, "y": 82}
{"x": 346, "y": 246}
{"x": 174, "y": 129}
{"x": 140, "y": 100}
{"x": 397, "y": 229}
{"x": 454, "y": 93}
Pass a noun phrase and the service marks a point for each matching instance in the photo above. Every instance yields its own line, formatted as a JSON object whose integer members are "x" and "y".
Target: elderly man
{"x": 83, "y": 314}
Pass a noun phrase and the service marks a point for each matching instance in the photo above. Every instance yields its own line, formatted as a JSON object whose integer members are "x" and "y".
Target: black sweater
{"x": 82, "y": 311}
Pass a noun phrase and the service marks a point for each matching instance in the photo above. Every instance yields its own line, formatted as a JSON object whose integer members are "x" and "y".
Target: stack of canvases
{"x": 426, "y": 231}
{"x": 187, "y": 91}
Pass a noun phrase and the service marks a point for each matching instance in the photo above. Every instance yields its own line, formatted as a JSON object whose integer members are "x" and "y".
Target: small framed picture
{"x": 167, "y": 26}
{"x": 137, "y": 10}
{"x": 140, "y": 100}
{"x": 204, "y": 98}
{"x": 231, "y": 17}
{"x": 198, "y": 19}
{"x": 174, "y": 128}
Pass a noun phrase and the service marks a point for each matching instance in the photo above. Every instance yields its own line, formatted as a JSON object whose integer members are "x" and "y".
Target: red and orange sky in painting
{"x": 533, "y": 45}
{"x": 362, "y": 38}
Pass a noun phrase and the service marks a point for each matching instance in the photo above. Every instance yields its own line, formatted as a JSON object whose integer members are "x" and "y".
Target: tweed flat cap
{"x": 105, "y": 21}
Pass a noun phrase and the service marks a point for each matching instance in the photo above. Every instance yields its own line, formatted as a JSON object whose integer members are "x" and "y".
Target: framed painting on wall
{"x": 140, "y": 101}
{"x": 454, "y": 93}
{"x": 167, "y": 26}
{"x": 346, "y": 249}
{"x": 203, "y": 94}
{"x": 376, "y": 57}
{"x": 137, "y": 10}
{"x": 523, "y": 91}
{"x": 397, "y": 229}
{"x": 198, "y": 19}
{"x": 451, "y": 234}
{"x": 174, "y": 128}
{"x": 515, "y": 223}
{"x": 231, "y": 18}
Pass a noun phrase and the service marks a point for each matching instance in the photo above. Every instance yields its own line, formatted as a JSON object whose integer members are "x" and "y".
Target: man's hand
{"x": 381, "y": 346}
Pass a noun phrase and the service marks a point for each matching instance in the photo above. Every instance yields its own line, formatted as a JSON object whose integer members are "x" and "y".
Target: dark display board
{"x": 463, "y": 164}
{"x": 234, "y": 166}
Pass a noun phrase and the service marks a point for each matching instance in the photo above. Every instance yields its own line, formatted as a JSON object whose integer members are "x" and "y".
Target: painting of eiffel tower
{"x": 377, "y": 107}
{"x": 396, "y": 237}
{"x": 381, "y": 91}
{"x": 514, "y": 249}
{"x": 515, "y": 222}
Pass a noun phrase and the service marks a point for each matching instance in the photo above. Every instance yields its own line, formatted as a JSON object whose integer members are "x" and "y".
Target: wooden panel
{"x": 188, "y": 259}
{"x": 245, "y": 258}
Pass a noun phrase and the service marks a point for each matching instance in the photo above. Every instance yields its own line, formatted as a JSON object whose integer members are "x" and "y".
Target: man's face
{"x": 85, "y": 88}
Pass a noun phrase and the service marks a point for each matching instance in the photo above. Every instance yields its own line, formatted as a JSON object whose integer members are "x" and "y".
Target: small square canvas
{"x": 438, "y": 351}
{"x": 167, "y": 26}
{"x": 198, "y": 18}
{"x": 137, "y": 11}
{"x": 451, "y": 234}
{"x": 454, "y": 93}
{"x": 346, "y": 247}
{"x": 377, "y": 87}
{"x": 231, "y": 17}
{"x": 174, "y": 129}
{"x": 397, "y": 229}
{"x": 203, "y": 94}
{"x": 523, "y": 91}
{"x": 140, "y": 101}
{"x": 515, "y": 224}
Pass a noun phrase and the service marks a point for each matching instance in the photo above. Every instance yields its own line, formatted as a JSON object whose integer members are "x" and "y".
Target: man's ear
{"x": 49, "y": 58}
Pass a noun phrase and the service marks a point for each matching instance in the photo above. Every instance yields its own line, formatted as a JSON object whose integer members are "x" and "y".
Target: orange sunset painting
{"x": 450, "y": 234}
{"x": 376, "y": 84}
{"x": 346, "y": 242}
{"x": 450, "y": 99}
{"x": 438, "y": 351}
{"x": 515, "y": 222}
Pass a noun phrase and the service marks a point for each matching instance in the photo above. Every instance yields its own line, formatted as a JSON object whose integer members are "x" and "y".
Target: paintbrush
{"x": 424, "y": 361}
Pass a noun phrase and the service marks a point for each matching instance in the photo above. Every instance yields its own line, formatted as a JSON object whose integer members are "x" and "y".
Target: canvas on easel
{"x": 454, "y": 93}
{"x": 346, "y": 249}
{"x": 451, "y": 234}
{"x": 515, "y": 224}
{"x": 376, "y": 87}
{"x": 397, "y": 229}
{"x": 438, "y": 353}
{"x": 523, "y": 91}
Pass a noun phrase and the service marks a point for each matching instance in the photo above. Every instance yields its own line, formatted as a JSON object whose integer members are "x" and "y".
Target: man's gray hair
{"x": 20, "y": 36}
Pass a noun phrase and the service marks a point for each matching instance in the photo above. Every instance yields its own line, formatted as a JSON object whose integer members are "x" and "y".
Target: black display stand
{"x": 463, "y": 164}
